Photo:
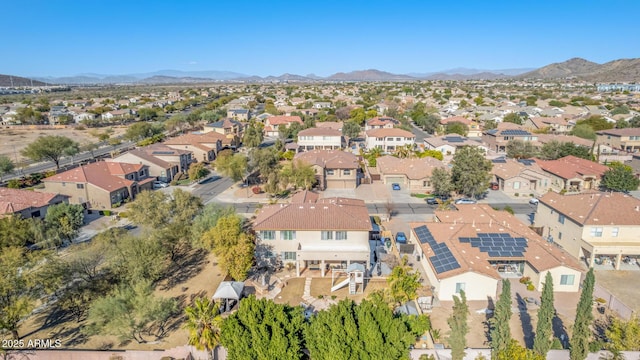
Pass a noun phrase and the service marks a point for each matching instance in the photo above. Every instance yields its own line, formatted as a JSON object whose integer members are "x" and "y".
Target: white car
{"x": 465, "y": 201}
{"x": 159, "y": 185}
{"x": 534, "y": 201}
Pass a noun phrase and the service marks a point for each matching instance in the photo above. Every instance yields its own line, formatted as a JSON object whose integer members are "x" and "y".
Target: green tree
{"x": 516, "y": 352}
{"x": 357, "y": 116}
{"x": 146, "y": 114}
{"x": 197, "y": 171}
{"x": 430, "y": 153}
{"x": 513, "y": 118}
{"x": 544, "y": 327}
{"x": 458, "y": 326}
{"x": 298, "y": 174}
{"x": 253, "y": 135}
{"x": 622, "y": 109}
{"x": 264, "y": 161}
{"x": 204, "y": 323}
{"x": 15, "y": 231}
{"x": 233, "y": 166}
{"x": 596, "y": 122}
{"x": 555, "y": 150}
{"x": 471, "y": 172}
{"x": 207, "y": 219}
{"x": 51, "y": 148}
{"x": 441, "y": 181}
{"x": 623, "y": 335}
{"x": 620, "y": 177}
{"x": 6, "y": 166}
{"x": 65, "y": 219}
{"x": 403, "y": 282}
{"x": 233, "y": 247}
{"x": 499, "y": 324}
{"x": 263, "y": 330}
{"x": 456, "y": 127}
{"x": 518, "y": 149}
{"x": 634, "y": 122}
{"x": 579, "y": 342}
{"x": 131, "y": 312}
{"x": 584, "y": 131}
{"x": 478, "y": 100}
{"x": 366, "y": 331}
{"x": 270, "y": 108}
{"x": 351, "y": 129}
{"x": 142, "y": 130}
{"x": 16, "y": 289}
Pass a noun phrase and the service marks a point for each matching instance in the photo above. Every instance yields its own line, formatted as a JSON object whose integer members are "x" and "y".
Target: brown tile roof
{"x": 469, "y": 220}
{"x": 319, "y": 132}
{"x": 620, "y": 132}
{"x": 438, "y": 141}
{"x": 512, "y": 168}
{"x": 329, "y": 159}
{"x": 413, "y": 168}
{"x": 14, "y": 200}
{"x": 459, "y": 119}
{"x": 305, "y": 196}
{"x": 336, "y": 125}
{"x": 325, "y": 214}
{"x": 545, "y": 138}
{"x": 100, "y": 174}
{"x": 146, "y": 157}
{"x": 389, "y": 132}
{"x": 595, "y": 208}
{"x": 161, "y": 149}
{"x": 283, "y": 120}
{"x": 570, "y": 167}
{"x": 541, "y": 122}
{"x": 381, "y": 120}
{"x": 197, "y": 139}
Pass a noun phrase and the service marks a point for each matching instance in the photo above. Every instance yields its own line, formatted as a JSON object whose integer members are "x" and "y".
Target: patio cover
{"x": 229, "y": 290}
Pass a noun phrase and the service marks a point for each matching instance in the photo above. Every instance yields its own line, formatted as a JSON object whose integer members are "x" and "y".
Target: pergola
{"x": 228, "y": 290}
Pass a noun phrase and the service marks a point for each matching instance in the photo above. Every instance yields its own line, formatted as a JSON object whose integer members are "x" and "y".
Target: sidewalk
{"x": 237, "y": 194}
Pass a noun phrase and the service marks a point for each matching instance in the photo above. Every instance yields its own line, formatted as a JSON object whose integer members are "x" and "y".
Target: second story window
{"x": 341, "y": 235}
{"x": 268, "y": 235}
{"x": 326, "y": 235}
{"x": 287, "y": 235}
{"x": 346, "y": 172}
{"x": 596, "y": 231}
{"x": 80, "y": 186}
{"x": 329, "y": 172}
{"x": 561, "y": 218}
{"x": 614, "y": 232}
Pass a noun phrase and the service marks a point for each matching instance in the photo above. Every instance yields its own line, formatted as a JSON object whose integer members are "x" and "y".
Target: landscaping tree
{"x": 141, "y": 130}
{"x": 513, "y": 118}
{"x": 584, "y": 131}
{"x": 16, "y": 231}
{"x": 403, "y": 282}
{"x": 207, "y": 219}
{"x": 518, "y": 149}
{"x": 132, "y": 312}
{"x": 265, "y": 161}
{"x": 263, "y": 330}
{"x": 471, "y": 172}
{"x": 6, "y": 166}
{"x": 499, "y": 324}
{"x": 456, "y": 127}
{"x": 441, "y": 181}
{"x": 233, "y": 166}
{"x": 516, "y": 352}
{"x": 233, "y": 246}
{"x": 367, "y": 331}
{"x": 620, "y": 177}
{"x": 596, "y": 123}
{"x": 459, "y": 327}
{"x": 51, "y": 148}
{"x": 623, "y": 335}
{"x": 351, "y": 129}
{"x": 555, "y": 150}
{"x": 579, "y": 342}
{"x": 544, "y": 328}
{"x": 298, "y": 174}
{"x": 65, "y": 219}
{"x": 253, "y": 135}
{"x": 16, "y": 286}
{"x": 203, "y": 322}
{"x": 197, "y": 171}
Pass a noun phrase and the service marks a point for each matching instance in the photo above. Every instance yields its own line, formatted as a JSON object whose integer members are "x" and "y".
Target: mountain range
{"x": 626, "y": 70}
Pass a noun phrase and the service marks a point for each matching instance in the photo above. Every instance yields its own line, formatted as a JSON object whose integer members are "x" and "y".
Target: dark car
{"x": 435, "y": 200}
{"x": 401, "y": 238}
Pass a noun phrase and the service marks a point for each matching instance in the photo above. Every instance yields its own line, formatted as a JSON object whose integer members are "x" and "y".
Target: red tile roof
{"x": 104, "y": 175}
{"x": 415, "y": 168}
{"x": 570, "y": 167}
{"x": 329, "y": 159}
{"x": 320, "y": 132}
{"x": 15, "y": 200}
{"x": 283, "y": 120}
{"x": 378, "y": 120}
{"x": 595, "y": 207}
{"x": 459, "y": 119}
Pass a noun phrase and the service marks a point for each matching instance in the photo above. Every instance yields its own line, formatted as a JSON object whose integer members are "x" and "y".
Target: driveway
{"x": 375, "y": 193}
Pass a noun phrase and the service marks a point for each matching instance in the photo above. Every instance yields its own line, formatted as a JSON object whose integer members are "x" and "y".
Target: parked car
{"x": 465, "y": 201}
{"x": 401, "y": 238}
{"x": 395, "y": 186}
{"x": 435, "y": 200}
{"x": 159, "y": 185}
{"x": 534, "y": 201}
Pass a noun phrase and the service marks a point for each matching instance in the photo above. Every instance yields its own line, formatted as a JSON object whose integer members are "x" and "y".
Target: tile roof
{"x": 459, "y": 119}
{"x": 196, "y": 138}
{"x": 329, "y": 159}
{"x": 389, "y": 132}
{"x": 620, "y": 132}
{"x": 381, "y": 120}
{"x": 595, "y": 207}
{"x": 104, "y": 175}
{"x": 512, "y": 168}
{"x": 453, "y": 140}
{"x": 570, "y": 167}
{"x": 224, "y": 123}
{"x": 14, "y": 200}
{"x": 144, "y": 156}
{"x": 545, "y": 138}
{"x": 283, "y": 120}
{"x": 325, "y": 214}
{"x": 336, "y": 125}
{"x": 305, "y": 196}
{"x": 413, "y": 168}
{"x": 326, "y": 131}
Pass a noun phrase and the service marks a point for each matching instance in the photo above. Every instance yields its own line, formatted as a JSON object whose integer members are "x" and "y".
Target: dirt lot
{"x": 620, "y": 284}
{"x": 12, "y": 140}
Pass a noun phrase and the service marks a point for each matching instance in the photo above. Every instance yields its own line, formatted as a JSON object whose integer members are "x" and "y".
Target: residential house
{"x": 322, "y": 105}
{"x": 498, "y": 138}
{"x": 597, "y": 227}
{"x": 555, "y": 125}
{"x": 573, "y": 174}
{"x": 116, "y": 114}
{"x": 379, "y": 122}
{"x": 449, "y": 144}
{"x": 627, "y": 139}
{"x": 475, "y": 247}
{"x": 83, "y": 116}
{"x": 388, "y": 139}
{"x": 100, "y": 185}
{"x": 473, "y": 128}
{"x": 163, "y": 161}
{"x": 320, "y": 235}
{"x": 239, "y": 114}
{"x": 272, "y": 124}
{"x": 414, "y": 173}
{"x": 335, "y": 125}
{"x": 335, "y": 169}
{"x": 28, "y": 204}
{"x": 230, "y": 128}
{"x": 203, "y": 146}
{"x": 523, "y": 177}
{"x": 323, "y": 138}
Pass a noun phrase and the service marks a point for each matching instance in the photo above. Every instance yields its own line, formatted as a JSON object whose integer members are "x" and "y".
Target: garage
{"x": 395, "y": 179}
{"x": 341, "y": 184}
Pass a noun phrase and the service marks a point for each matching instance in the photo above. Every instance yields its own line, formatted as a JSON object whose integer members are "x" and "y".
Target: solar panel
{"x": 515, "y": 132}
{"x": 454, "y": 139}
{"x": 526, "y": 162}
{"x": 499, "y": 161}
{"x": 498, "y": 244}
{"x": 443, "y": 259}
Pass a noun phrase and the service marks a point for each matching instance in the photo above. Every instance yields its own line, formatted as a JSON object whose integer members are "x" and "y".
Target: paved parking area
{"x": 375, "y": 193}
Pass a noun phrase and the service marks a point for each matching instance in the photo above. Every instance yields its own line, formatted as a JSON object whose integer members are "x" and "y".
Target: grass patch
{"x": 420, "y": 196}
{"x": 183, "y": 182}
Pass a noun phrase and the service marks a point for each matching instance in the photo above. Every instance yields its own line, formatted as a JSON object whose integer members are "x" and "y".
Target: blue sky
{"x": 69, "y": 37}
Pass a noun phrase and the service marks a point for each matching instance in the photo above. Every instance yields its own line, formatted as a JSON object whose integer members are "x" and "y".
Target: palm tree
{"x": 203, "y": 323}
{"x": 404, "y": 151}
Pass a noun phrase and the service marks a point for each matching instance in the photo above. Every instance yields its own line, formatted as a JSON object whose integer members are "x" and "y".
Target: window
{"x": 80, "y": 186}
{"x": 516, "y": 184}
{"x": 596, "y": 231}
{"x": 346, "y": 172}
{"x": 398, "y": 139}
{"x": 35, "y": 214}
{"x": 329, "y": 172}
{"x": 561, "y": 218}
{"x": 288, "y": 255}
{"x": 559, "y": 236}
{"x": 460, "y": 287}
{"x": 614, "y": 232}
{"x": 341, "y": 235}
{"x": 327, "y": 235}
{"x": 268, "y": 235}
{"x": 287, "y": 235}
{"x": 567, "y": 279}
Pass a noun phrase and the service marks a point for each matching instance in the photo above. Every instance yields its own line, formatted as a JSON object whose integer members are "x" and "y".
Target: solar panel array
{"x": 443, "y": 260}
{"x": 526, "y": 162}
{"x": 162, "y": 153}
{"x": 454, "y": 139}
{"x": 498, "y": 244}
{"x": 499, "y": 161}
{"x": 515, "y": 132}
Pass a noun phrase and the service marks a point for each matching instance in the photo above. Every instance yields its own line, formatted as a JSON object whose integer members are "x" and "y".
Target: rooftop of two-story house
{"x": 572, "y": 173}
{"x": 627, "y": 139}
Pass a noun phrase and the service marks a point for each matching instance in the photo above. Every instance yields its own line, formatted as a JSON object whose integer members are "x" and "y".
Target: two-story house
{"x": 555, "y": 125}
{"x": 332, "y": 232}
{"x": 523, "y": 177}
{"x": 230, "y": 128}
{"x": 597, "y": 227}
{"x": 573, "y": 174}
{"x": 380, "y": 122}
{"x": 473, "y": 128}
{"x": 320, "y": 138}
{"x": 335, "y": 169}
{"x": 448, "y": 144}
{"x": 203, "y": 146}
{"x": 620, "y": 139}
{"x": 100, "y": 185}
{"x": 414, "y": 173}
{"x": 388, "y": 139}
{"x": 28, "y": 204}
{"x": 498, "y": 138}
{"x": 272, "y": 124}
{"x": 238, "y": 114}
{"x": 163, "y": 161}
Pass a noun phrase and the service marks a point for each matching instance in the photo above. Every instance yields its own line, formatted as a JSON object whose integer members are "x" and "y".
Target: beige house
{"x": 449, "y": 144}
{"x": 335, "y": 169}
{"x": 523, "y": 177}
{"x": 620, "y": 139}
{"x": 414, "y": 173}
{"x": 203, "y": 146}
{"x": 327, "y": 233}
{"x": 498, "y": 138}
{"x": 596, "y": 227}
{"x": 28, "y": 204}
{"x": 474, "y": 247}
{"x": 380, "y": 122}
{"x": 320, "y": 139}
{"x": 229, "y": 128}
{"x": 164, "y": 162}
{"x": 100, "y": 185}
{"x": 573, "y": 174}
{"x": 272, "y": 124}
{"x": 238, "y": 114}
{"x": 473, "y": 128}
{"x": 555, "y": 125}
{"x": 388, "y": 139}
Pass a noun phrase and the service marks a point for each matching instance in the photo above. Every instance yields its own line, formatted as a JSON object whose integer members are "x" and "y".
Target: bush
{"x": 333, "y": 297}
{"x": 530, "y": 287}
{"x": 107, "y": 212}
{"x": 376, "y": 219}
{"x": 556, "y": 344}
{"x": 13, "y": 184}
{"x": 320, "y": 296}
{"x": 600, "y": 300}
{"x": 516, "y": 194}
{"x": 509, "y": 209}
{"x": 525, "y": 280}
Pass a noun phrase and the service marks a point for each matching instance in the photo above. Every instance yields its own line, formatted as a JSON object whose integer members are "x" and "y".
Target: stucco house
{"x": 573, "y": 174}
{"x": 627, "y": 139}
{"x": 163, "y": 161}
{"x": 272, "y": 124}
{"x": 28, "y": 204}
{"x": 380, "y": 122}
{"x": 203, "y": 146}
{"x": 523, "y": 177}
{"x": 414, "y": 173}
{"x": 498, "y": 138}
{"x": 449, "y": 144}
{"x": 335, "y": 169}
{"x": 388, "y": 139}
{"x": 320, "y": 138}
